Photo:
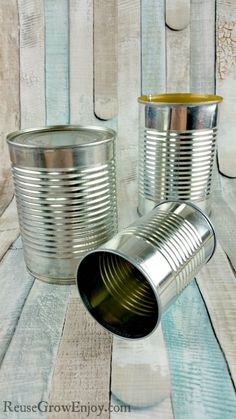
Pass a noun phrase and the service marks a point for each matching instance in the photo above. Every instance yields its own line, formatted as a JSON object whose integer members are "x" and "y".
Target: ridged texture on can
{"x": 65, "y": 213}
{"x": 176, "y": 239}
{"x": 176, "y": 165}
{"x": 123, "y": 283}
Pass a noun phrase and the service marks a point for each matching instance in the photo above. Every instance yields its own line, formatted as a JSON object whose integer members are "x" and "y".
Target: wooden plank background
{"x": 85, "y": 62}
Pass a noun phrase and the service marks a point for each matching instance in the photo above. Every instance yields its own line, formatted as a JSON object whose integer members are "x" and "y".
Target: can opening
{"x": 180, "y": 98}
{"x": 117, "y": 295}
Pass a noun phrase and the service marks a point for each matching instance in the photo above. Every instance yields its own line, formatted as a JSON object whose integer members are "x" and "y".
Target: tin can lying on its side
{"x": 65, "y": 186}
{"x": 177, "y": 143}
{"x": 128, "y": 282}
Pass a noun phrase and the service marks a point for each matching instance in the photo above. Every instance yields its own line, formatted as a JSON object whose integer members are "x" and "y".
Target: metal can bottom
{"x": 147, "y": 205}
{"x": 54, "y": 281}
{"x": 47, "y": 270}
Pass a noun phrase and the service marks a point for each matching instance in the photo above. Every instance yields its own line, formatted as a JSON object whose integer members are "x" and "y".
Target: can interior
{"x": 179, "y": 98}
{"x": 117, "y": 295}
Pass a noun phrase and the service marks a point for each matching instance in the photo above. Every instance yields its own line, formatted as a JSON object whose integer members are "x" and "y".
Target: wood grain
{"x": 226, "y": 82}
{"x": 13, "y": 276}
{"x": 202, "y": 52}
{"x": 178, "y": 60}
{"x": 32, "y": 71}
{"x": 129, "y": 88}
{"x": 153, "y": 46}
{"x": 9, "y": 228}
{"x": 177, "y": 14}
{"x": 82, "y": 370}
{"x": 223, "y": 215}
{"x": 105, "y": 59}
{"x": 57, "y": 61}
{"x": 9, "y": 92}
{"x": 201, "y": 385}
{"x": 218, "y": 287}
{"x": 26, "y": 370}
{"x": 81, "y": 62}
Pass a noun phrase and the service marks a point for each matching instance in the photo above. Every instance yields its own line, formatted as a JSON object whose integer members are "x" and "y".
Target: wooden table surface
{"x": 51, "y": 350}
{"x": 51, "y": 73}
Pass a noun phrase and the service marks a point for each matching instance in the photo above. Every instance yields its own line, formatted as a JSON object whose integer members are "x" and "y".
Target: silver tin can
{"x": 177, "y": 144}
{"x": 65, "y": 186}
{"x": 130, "y": 281}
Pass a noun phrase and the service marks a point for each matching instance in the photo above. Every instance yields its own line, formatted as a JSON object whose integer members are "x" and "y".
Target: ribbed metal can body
{"x": 65, "y": 187}
{"x": 139, "y": 273}
{"x": 177, "y": 144}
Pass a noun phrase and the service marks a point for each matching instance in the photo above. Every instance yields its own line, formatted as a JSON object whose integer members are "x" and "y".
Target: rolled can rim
{"x": 190, "y": 204}
{"x": 179, "y": 99}
{"x": 12, "y": 137}
{"x": 144, "y": 274}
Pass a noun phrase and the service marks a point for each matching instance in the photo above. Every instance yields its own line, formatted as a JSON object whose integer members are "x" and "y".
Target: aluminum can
{"x": 128, "y": 283}
{"x": 177, "y": 144}
{"x": 65, "y": 187}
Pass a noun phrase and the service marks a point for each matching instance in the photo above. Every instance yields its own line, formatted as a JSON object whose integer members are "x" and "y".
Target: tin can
{"x": 65, "y": 186}
{"x": 131, "y": 280}
{"x": 177, "y": 143}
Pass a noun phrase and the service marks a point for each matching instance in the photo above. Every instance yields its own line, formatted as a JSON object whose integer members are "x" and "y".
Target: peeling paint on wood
{"x": 226, "y": 83}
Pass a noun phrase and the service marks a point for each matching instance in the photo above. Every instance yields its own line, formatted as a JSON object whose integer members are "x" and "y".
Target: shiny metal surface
{"x": 177, "y": 144}
{"x": 65, "y": 186}
{"x": 128, "y": 283}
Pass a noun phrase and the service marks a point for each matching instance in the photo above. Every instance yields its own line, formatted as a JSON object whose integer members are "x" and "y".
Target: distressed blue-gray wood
{"x": 202, "y": 43}
{"x": 57, "y": 61}
{"x": 201, "y": 384}
{"x": 153, "y": 46}
{"x": 217, "y": 283}
{"x": 9, "y": 228}
{"x": 15, "y": 284}
{"x": 9, "y": 92}
{"x": 32, "y": 69}
{"x": 27, "y": 367}
{"x": 105, "y": 59}
{"x": 226, "y": 82}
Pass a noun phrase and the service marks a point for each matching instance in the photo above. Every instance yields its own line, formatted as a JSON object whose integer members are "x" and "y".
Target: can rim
{"x": 12, "y": 137}
{"x": 179, "y": 99}
{"x": 190, "y": 204}
{"x": 144, "y": 274}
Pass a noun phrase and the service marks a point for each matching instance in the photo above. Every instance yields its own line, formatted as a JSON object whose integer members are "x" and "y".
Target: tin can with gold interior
{"x": 177, "y": 144}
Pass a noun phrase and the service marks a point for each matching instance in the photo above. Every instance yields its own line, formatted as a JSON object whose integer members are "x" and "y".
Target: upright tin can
{"x": 65, "y": 186}
{"x": 136, "y": 276}
{"x": 177, "y": 144}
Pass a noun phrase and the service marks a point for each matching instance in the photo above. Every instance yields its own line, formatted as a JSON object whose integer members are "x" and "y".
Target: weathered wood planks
{"x": 26, "y": 370}
{"x": 81, "y": 62}
{"x": 129, "y": 88}
{"x": 177, "y": 14}
{"x": 153, "y": 46}
{"x": 201, "y": 385}
{"x": 9, "y": 92}
{"x": 178, "y": 60}
{"x": 57, "y": 62}
{"x": 218, "y": 287}
{"x": 226, "y": 82}
{"x": 105, "y": 59}
{"x": 202, "y": 43}
{"x": 32, "y": 69}
{"x": 9, "y": 228}
{"x": 82, "y": 370}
